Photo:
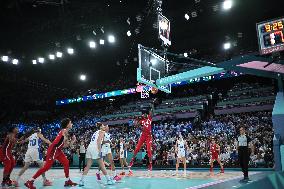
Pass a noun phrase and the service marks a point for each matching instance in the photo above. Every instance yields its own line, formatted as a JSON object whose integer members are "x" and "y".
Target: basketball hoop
{"x": 144, "y": 90}
{"x": 145, "y": 93}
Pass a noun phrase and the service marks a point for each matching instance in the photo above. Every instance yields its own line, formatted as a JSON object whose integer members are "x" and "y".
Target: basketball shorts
{"x": 181, "y": 154}
{"x": 123, "y": 154}
{"x": 105, "y": 151}
{"x": 33, "y": 155}
{"x": 93, "y": 153}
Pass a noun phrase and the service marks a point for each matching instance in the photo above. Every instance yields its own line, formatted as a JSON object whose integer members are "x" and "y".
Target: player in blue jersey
{"x": 34, "y": 154}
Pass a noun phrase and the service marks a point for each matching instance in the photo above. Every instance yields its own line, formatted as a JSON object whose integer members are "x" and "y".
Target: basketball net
{"x": 143, "y": 90}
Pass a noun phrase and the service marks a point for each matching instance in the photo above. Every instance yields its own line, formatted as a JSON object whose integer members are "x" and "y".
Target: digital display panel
{"x": 164, "y": 29}
{"x": 271, "y": 36}
{"x": 139, "y": 88}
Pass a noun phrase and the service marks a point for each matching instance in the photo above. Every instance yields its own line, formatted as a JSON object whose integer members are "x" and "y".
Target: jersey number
{"x": 33, "y": 142}
{"x": 93, "y": 138}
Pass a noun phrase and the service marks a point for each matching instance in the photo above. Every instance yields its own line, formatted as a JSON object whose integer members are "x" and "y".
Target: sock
{"x": 107, "y": 177}
{"x": 68, "y": 178}
{"x": 114, "y": 173}
{"x": 83, "y": 177}
{"x": 44, "y": 178}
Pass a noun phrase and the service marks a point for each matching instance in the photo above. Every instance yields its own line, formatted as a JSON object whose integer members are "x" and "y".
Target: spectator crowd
{"x": 224, "y": 128}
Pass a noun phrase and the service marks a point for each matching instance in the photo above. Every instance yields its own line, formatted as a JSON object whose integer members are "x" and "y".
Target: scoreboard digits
{"x": 271, "y": 36}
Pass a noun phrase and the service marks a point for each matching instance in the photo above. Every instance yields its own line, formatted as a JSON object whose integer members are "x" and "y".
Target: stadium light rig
{"x": 41, "y": 60}
{"x": 70, "y": 51}
{"x": 34, "y": 61}
{"x": 102, "y": 42}
{"x": 59, "y": 54}
{"x": 111, "y": 39}
{"x": 227, "y": 4}
{"x": 92, "y": 44}
{"x": 227, "y": 46}
{"x": 51, "y": 57}
{"x": 83, "y": 77}
{"x": 186, "y": 16}
{"x": 15, "y": 61}
{"x": 5, "y": 58}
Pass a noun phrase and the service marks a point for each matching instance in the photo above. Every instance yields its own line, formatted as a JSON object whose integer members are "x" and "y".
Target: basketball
{"x": 154, "y": 90}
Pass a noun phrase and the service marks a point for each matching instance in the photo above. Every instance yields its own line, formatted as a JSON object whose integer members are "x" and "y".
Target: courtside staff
{"x": 244, "y": 152}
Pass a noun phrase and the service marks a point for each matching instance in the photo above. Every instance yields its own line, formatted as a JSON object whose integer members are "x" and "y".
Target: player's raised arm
{"x": 23, "y": 139}
{"x": 151, "y": 111}
{"x": 44, "y": 139}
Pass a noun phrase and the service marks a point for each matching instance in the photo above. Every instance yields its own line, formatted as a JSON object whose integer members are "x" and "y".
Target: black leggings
{"x": 244, "y": 160}
{"x": 82, "y": 159}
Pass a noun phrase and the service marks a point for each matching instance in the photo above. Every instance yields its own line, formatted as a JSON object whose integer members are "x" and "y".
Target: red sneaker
{"x": 9, "y": 182}
{"x": 30, "y": 184}
{"x": 116, "y": 178}
{"x": 131, "y": 163}
{"x": 122, "y": 173}
{"x": 15, "y": 183}
{"x": 70, "y": 183}
{"x": 130, "y": 173}
{"x": 47, "y": 183}
{"x": 222, "y": 171}
{"x": 150, "y": 167}
{"x": 6, "y": 183}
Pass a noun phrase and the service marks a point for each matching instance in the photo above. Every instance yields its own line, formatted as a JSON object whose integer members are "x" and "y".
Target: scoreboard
{"x": 271, "y": 36}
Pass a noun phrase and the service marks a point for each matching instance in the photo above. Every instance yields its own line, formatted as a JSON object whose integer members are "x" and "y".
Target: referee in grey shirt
{"x": 82, "y": 155}
{"x": 244, "y": 153}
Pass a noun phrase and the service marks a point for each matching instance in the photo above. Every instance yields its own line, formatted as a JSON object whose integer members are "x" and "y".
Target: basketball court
{"x": 144, "y": 180}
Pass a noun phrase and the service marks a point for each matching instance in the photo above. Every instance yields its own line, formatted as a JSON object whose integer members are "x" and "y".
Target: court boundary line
{"x": 218, "y": 182}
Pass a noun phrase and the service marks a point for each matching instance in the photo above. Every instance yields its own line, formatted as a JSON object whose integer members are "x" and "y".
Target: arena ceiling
{"x": 33, "y": 28}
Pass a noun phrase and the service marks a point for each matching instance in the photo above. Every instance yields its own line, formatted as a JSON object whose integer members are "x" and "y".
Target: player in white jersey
{"x": 106, "y": 152}
{"x": 123, "y": 155}
{"x": 34, "y": 154}
{"x": 180, "y": 149}
{"x": 94, "y": 152}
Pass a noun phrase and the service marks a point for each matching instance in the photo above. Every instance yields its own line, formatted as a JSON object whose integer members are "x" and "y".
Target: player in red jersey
{"x": 6, "y": 155}
{"x": 146, "y": 135}
{"x": 54, "y": 152}
{"x": 214, "y": 151}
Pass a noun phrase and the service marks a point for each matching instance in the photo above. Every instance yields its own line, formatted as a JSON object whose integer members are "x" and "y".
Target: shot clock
{"x": 271, "y": 36}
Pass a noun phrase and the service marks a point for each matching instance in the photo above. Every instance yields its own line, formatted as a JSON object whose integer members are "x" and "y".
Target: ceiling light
{"x": 102, "y": 42}
{"x": 51, "y": 57}
{"x": 128, "y": 33}
{"x": 70, "y": 51}
{"x": 92, "y": 44}
{"x": 186, "y": 16}
{"x": 227, "y": 4}
{"x": 5, "y": 58}
{"x": 41, "y": 60}
{"x": 15, "y": 61}
{"x": 34, "y": 62}
{"x": 83, "y": 77}
{"x": 59, "y": 54}
{"x": 227, "y": 45}
{"x": 111, "y": 39}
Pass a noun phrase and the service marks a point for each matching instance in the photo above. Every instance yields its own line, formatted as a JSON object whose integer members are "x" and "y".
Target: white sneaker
{"x": 81, "y": 183}
{"x": 110, "y": 182}
{"x": 114, "y": 181}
